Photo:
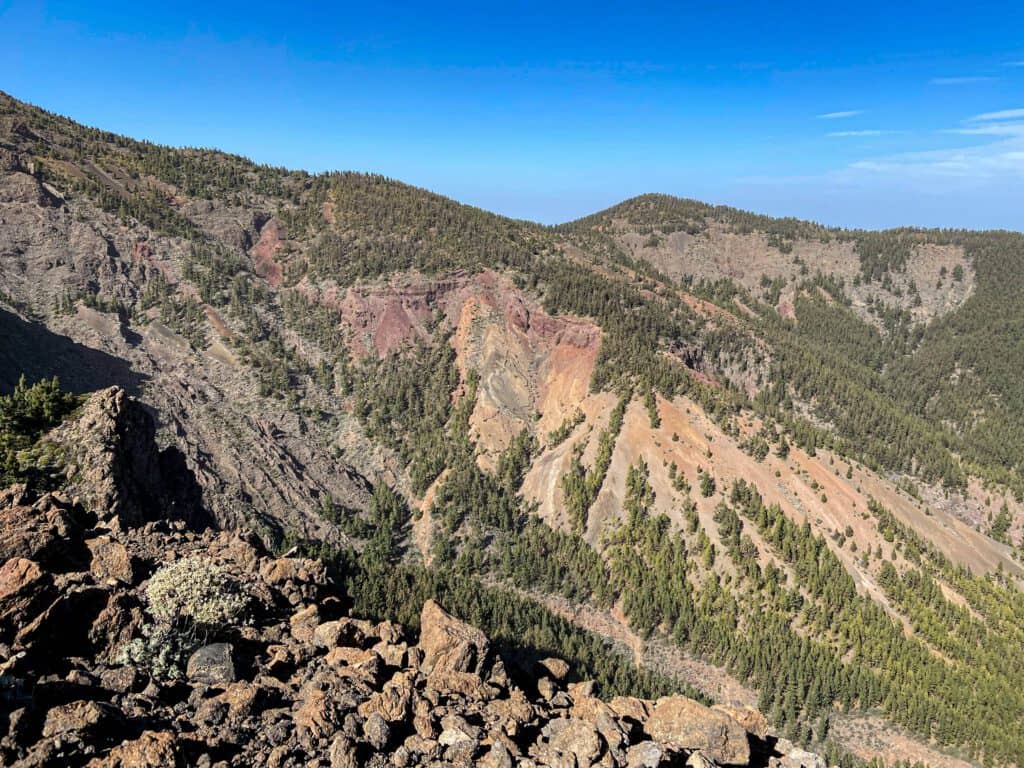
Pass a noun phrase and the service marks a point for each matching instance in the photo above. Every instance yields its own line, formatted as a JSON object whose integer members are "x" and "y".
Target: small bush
{"x": 190, "y": 601}
{"x": 196, "y": 593}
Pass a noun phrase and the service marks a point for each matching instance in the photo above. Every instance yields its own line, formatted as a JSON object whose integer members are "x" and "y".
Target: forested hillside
{"x": 787, "y": 455}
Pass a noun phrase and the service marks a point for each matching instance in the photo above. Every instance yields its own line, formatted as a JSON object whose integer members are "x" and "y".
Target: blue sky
{"x": 867, "y": 114}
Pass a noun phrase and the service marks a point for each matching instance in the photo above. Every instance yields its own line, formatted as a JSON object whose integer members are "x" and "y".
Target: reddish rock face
{"x": 265, "y": 252}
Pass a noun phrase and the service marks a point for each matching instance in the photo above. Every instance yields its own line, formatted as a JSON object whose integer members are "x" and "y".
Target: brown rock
{"x": 546, "y": 688}
{"x": 423, "y": 720}
{"x": 510, "y": 714}
{"x": 498, "y": 757}
{"x": 48, "y": 531}
{"x": 592, "y": 710}
{"x": 376, "y": 731}
{"x": 115, "y": 625}
{"x": 582, "y": 688}
{"x": 63, "y": 628}
{"x": 753, "y": 722}
{"x": 25, "y": 589}
{"x": 389, "y": 632}
{"x": 646, "y": 754}
{"x": 153, "y": 749}
{"x": 121, "y": 679}
{"x": 449, "y": 644}
{"x": 683, "y": 723}
{"x": 78, "y": 717}
{"x": 343, "y": 632}
{"x": 304, "y": 623}
{"x": 110, "y": 560}
{"x": 574, "y": 737}
{"x": 392, "y": 702}
{"x": 369, "y": 670}
{"x": 342, "y": 753}
{"x": 393, "y": 655}
{"x": 466, "y": 684}
{"x": 349, "y": 657}
{"x": 315, "y": 714}
{"x": 631, "y": 707}
{"x": 801, "y": 758}
{"x": 699, "y": 760}
{"x": 556, "y": 668}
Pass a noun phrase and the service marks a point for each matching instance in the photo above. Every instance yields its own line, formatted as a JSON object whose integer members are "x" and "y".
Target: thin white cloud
{"x": 998, "y": 159}
{"x": 857, "y": 134}
{"x": 990, "y": 129}
{"x": 1003, "y": 114}
{"x": 961, "y": 80}
{"x": 840, "y": 115}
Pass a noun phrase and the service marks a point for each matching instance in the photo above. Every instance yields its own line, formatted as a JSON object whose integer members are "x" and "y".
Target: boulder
{"x": 557, "y": 669}
{"x": 48, "y": 531}
{"x": 682, "y": 723}
{"x": 153, "y": 749}
{"x": 699, "y": 760}
{"x": 80, "y": 718}
{"x": 393, "y": 702}
{"x": 25, "y": 589}
{"x": 110, "y": 560}
{"x": 62, "y": 630}
{"x": 498, "y": 757}
{"x": 304, "y": 623}
{"x": 449, "y": 644}
{"x": 645, "y": 754}
{"x": 569, "y": 736}
{"x": 213, "y": 664}
{"x": 801, "y": 758}
{"x": 342, "y": 753}
{"x": 423, "y": 720}
{"x": 350, "y": 633}
{"x": 512, "y": 713}
{"x": 631, "y": 708}
{"x": 376, "y": 731}
{"x": 752, "y": 720}
{"x": 115, "y": 625}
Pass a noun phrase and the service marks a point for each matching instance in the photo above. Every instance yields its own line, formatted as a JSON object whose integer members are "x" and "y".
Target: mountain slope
{"x": 810, "y": 481}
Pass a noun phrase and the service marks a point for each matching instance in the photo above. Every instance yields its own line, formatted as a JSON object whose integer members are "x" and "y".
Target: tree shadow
{"x": 37, "y": 352}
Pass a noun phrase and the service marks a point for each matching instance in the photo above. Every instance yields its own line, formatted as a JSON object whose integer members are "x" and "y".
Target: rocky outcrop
{"x": 298, "y": 682}
{"x": 113, "y": 463}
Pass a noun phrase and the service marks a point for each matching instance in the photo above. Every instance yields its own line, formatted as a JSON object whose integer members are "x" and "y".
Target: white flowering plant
{"x": 189, "y": 600}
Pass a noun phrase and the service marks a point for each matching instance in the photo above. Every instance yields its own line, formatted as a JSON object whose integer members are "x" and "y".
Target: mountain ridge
{"x": 551, "y": 404}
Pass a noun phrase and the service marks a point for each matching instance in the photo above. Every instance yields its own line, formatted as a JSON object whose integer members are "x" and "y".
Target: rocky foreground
{"x": 295, "y": 682}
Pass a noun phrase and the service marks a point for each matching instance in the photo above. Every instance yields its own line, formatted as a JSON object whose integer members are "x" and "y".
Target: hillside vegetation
{"x": 808, "y": 477}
